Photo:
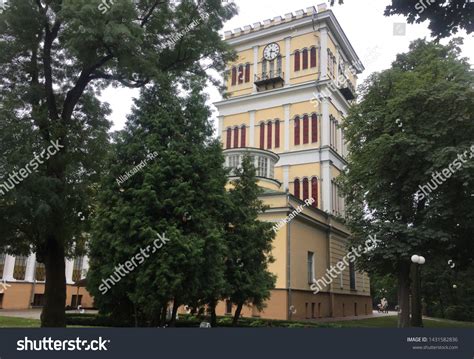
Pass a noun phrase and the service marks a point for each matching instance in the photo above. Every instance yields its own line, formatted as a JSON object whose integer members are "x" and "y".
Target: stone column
{"x": 287, "y": 126}
{"x": 325, "y": 123}
{"x": 252, "y": 129}
{"x": 287, "y": 60}
{"x": 326, "y": 186}
{"x": 323, "y": 63}
{"x": 30, "y": 268}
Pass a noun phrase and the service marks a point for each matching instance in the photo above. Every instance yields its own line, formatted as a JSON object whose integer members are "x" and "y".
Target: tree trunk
{"x": 173, "y": 313}
{"x": 53, "y": 314}
{"x": 164, "y": 310}
{"x": 237, "y": 314}
{"x": 404, "y": 295}
{"x": 416, "y": 315}
{"x": 212, "y": 311}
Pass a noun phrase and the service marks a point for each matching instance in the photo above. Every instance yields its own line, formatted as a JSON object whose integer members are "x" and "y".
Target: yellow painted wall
{"x": 299, "y": 43}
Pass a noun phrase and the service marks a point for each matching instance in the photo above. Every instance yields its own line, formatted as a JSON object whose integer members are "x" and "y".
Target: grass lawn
{"x": 12, "y": 322}
{"x": 391, "y": 322}
{"x": 380, "y": 322}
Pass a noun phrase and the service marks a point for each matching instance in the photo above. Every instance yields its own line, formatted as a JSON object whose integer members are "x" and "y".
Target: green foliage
{"x": 180, "y": 193}
{"x": 446, "y": 17}
{"x": 249, "y": 241}
{"x": 430, "y": 90}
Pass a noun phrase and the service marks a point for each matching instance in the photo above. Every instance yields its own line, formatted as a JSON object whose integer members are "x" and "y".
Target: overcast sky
{"x": 370, "y": 33}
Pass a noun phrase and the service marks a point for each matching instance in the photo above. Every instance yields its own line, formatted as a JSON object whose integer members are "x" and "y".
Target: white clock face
{"x": 271, "y": 51}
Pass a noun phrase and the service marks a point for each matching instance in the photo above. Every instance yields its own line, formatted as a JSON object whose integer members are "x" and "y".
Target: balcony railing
{"x": 269, "y": 78}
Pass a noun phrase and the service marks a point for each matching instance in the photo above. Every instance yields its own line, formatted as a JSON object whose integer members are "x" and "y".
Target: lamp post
{"x": 416, "y": 315}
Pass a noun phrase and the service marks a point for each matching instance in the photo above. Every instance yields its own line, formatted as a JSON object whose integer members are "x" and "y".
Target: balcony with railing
{"x": 269, "y": 79}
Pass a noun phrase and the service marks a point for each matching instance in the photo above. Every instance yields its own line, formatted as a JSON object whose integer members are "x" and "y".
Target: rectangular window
{"x": 262, "y": 167}
{"x": 305, "y": 59}
{"x": 311, "y": 267}
{"x": 247, "y": 73}
{"x": 229, "y": 138}
{"x": 38, "y": 300}
{"x": 297, "y": 130}
{"x": 241, "y": 74}
{"x": 297, "y": 60}
{"x": 77, "y": 269}
{"x": 352, "y": 275}
{"x": 277, "y": 134}
{"x": 243, "y": 136}
{"x": 313, "y": 305}
{"x": 314, "y": 128}
{"x": 236, "y": 137}
{"x": 269, "y": 135}
{"x": 234, "y": 76}
{"x": 20, "y": 267}
{"x": 305, "y": 129}
{"x": 262, "y": 135}
{"x": 2, "y": 263}
{"x": 40, "y": 272}
{"x": 76, "y": 300}
{"x": 228, "y": 307}
{"x": 313, "y": 57}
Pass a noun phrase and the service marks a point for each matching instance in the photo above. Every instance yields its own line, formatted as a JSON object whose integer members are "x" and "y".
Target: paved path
{"x": 31, "y": 313}
{"x": 375, "y": 314}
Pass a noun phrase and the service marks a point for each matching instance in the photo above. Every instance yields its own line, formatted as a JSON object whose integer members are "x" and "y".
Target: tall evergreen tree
{"x": 178, "y": 193}
{"x": 249, "y": 242}
{"x": 413, "y": 122}
{"x": 55, "y": 56}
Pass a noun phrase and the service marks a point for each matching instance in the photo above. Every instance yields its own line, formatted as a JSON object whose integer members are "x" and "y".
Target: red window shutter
{"x": 297, "y": 60}
{"x": 262, "y": 135}
{"x": 243, "y": 136}
{"x": 305, "y": 59}
{"x": 305, "y": 189}
{"x": 314, "y": 128}
{"x": 241, "y": 74}
{"x": 313, "y": 57}
{"x": 314, "y": 191}
{"x": 247, "y": 73}
{"x": 234, "y": 76}
{"x": 277, "y": 134}
{"x": 305, "y": 129}
{"x": 269, "y": 135}
{"x": 236, "y": 137}
{"x": 297, "y": 188}
{"x": 297, "y": 130}
{"x": 229, "y": 138}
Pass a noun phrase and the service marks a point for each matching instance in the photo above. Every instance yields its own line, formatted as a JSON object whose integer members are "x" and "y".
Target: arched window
{"x": 264, "y": 69}
{"x": 277, "y": 134}
{"x": 305, "y": 59}
{"x": 234, "y": 76}
{"x": 269, "y": 135}
{"x": 305, "y": 189}
{"x": 297, "y": 130}
{"x": 229, "y": 138}
{"x": 247, "y": 73}
{"x": 297, "y": 60}
{"x": 243, "y": 136}
{"x": 314, "y": 191}
{"x": 236, "y": 137}
{"x": 305, "y": 129}
{"x": 297, "y": 188}
{"x": 241, "y": 74}
{"x": 279, "y": 66}
{"x": 314, "y": 128}
{"x": 262, "y": 135}
{"x": 272, "y": 69}
{"x": 313, "y": 57}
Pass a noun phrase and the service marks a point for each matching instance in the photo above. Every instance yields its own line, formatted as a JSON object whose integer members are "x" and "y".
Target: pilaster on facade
{"x": 325, "y": 123}
{"x": 286, "y": 109}
{"x": 323, "y": 32}
{"x": 326, "y": 186}
{"x": 287, "y": 60}
{"x": 286, "y": 178}
{"x": 252, "y": 128}
{"x": 69, "y": 270}
{"x": 30, "y": 268}
{"x": 8, "y": 268}
{"x": 255, "y": 67}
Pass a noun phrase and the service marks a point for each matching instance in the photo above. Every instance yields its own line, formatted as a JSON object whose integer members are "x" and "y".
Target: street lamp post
{"x": 416, "y": 313}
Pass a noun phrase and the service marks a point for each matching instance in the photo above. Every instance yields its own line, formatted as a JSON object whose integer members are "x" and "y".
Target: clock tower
{"x": 288, "y": 93}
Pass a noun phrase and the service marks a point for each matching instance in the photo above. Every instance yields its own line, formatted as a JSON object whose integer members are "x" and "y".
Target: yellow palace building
{"x": 289, "y": 90}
